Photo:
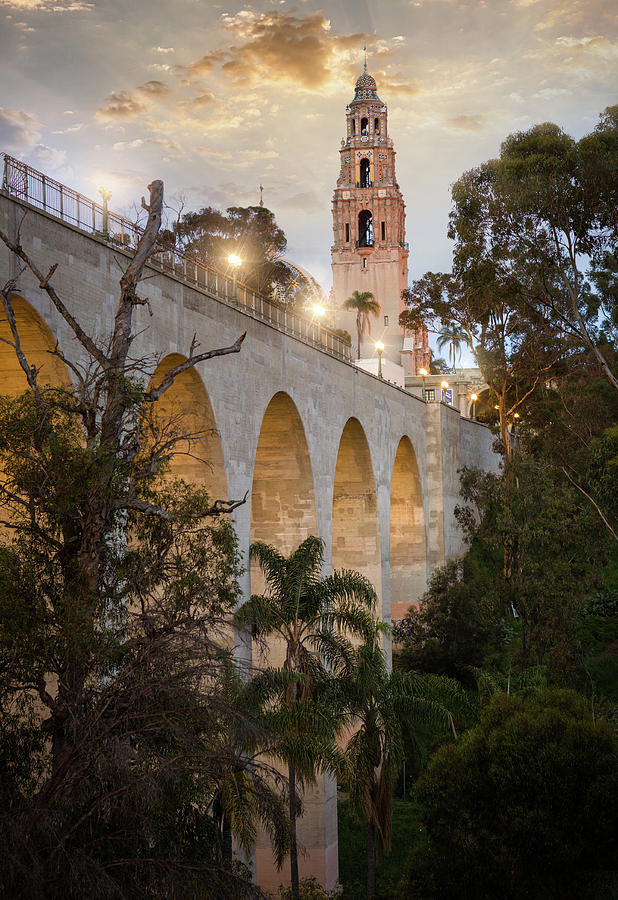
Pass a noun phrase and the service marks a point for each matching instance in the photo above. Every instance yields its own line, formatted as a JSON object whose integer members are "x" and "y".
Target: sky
{"x": 218, "y": 98}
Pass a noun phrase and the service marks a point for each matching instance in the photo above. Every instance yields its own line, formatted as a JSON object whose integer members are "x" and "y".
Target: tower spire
{"x": 261, "y": 195}
{"x": 365, "y": 49}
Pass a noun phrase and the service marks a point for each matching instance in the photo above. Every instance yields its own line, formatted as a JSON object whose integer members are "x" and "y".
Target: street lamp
{"x": 380, "y": 349}
{"x": 423, "y": 373}
{"x": 106, "y": 194}
{"x": 444, "y": 386}
{"x": 474, "y": 398}
{"x": 318, "y": 312}
{"x": 236, "y": 263}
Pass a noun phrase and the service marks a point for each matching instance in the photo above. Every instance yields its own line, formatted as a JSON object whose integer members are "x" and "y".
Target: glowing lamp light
{"x": 380, "y": 349}
{"x": 444, "y": 385}
{"x": 474, "y": 397}
{"x": 319, "y": 310}
{"x": 516, "y": 415}
{"x": 423, "y": 373}
{"x": 105, "y": 193}
{"x": 234, "y": 260}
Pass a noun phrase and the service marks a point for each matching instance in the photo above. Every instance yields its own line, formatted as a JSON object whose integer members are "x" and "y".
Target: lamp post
{"x": 106, "y": 194}
{"x": 444, "y": 386}
{"x": 318, "y": 312}
{"x": 236, "y": 263}
{"x": 474, "y": 398}
{"x": 380, "y": 349}
{"x": 423, "y": 373}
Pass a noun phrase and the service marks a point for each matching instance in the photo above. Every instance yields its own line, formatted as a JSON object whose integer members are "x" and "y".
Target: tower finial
{"x": 365, "y": 49}
{"x": 261, "y": 195}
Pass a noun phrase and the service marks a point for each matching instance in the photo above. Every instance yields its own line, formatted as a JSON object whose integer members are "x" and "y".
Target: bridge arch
{"x": 38, "y": 345}
{"x": 283, "y": 507}
{"x": 186, "y": 408}
{"x": 408, "y": 548}
{"x": 356, "y": 530}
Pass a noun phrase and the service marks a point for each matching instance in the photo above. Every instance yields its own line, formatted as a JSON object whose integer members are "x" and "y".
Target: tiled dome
{"x": 366, "y": 87}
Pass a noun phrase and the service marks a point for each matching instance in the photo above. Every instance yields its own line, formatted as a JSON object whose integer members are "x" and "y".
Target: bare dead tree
{"x": 121, "y": 584}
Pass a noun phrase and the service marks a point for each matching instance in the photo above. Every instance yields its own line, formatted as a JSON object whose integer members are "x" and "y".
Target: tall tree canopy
{"x": 249, "y": 232}
{"x": 534, "y": 260}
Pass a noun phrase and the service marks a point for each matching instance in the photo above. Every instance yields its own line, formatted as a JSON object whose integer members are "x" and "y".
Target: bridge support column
{"x": 443, "y": 461}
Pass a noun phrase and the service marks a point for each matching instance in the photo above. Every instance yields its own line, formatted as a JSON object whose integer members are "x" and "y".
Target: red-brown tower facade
{"x": 369, "y": 251}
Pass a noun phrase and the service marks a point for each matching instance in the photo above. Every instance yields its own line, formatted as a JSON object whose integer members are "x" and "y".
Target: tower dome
{"x": 366, "y": 87}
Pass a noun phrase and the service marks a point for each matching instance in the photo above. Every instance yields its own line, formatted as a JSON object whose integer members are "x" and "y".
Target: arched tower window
{"x": 353, "y": 126}
{"x": 365, "y": 228}
{"x": 365, "y": 173}
{"x": 364, "y": 126}
{"x": 376, "y": 126}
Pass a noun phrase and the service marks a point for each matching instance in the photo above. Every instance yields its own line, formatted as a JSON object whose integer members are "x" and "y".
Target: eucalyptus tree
{"x": 534, "y": 267}
{"x": 365, "y": 305}
{"x": 316, "y": 617}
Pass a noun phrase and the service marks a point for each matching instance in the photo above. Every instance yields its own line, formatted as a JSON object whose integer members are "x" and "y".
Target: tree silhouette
{"x": 365, "y": 305}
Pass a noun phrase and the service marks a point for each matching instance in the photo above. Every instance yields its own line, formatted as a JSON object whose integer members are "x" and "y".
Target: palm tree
{"x": 365, "y": 305}
{"x": 383, "y": 706}
{"x": 437, "y": 365}
{"x": 315, "y": 617}
{"x": 453, "y": 336}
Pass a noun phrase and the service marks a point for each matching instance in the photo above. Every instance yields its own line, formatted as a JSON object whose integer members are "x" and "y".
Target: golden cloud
{"x": 289, "y": 50}
{"x": 128, "y": 104}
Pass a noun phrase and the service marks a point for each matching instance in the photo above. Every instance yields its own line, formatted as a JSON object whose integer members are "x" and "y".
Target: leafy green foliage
{"x": 353, "y": 849}
{"x": 532, "y": 528}
{"x": 525, "y": 801}
{"x": 456, "y": 624}
{"x": 249, "y": 232}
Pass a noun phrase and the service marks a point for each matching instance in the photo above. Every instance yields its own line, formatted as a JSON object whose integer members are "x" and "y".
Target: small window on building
{"x": 376, "y": 126}
{"x": 383, "y": 231}
{"x": 353, "y": 126}
{"x": 347, "y": 232}
{"x": 364, "y": 126}
{"x": 386, "y": 321}
{"x": 430, "y": 395}
{"x": 364, "y": 262}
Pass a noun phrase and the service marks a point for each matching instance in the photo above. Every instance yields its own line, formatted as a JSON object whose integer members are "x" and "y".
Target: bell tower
{"x": 369, "y": 250}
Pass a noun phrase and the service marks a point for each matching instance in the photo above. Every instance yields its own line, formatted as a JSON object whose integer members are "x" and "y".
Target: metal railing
{"x": 24, "y": 183}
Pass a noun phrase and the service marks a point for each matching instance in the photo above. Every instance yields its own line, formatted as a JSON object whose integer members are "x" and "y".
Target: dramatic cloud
{"x": 19, "y": 131}
{"x": 298, "y": 52}
{"x": 121, "y": 105}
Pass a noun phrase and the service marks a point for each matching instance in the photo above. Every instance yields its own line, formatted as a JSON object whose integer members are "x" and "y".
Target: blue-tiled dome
{"x": 366, "y": 87}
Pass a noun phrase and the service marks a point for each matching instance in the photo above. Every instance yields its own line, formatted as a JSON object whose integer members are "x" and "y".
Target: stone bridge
{"x": 320, "y": 446}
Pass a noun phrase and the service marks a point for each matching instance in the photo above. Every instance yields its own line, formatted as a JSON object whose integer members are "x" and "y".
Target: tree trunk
{"x": 226, "y": 840}
{"x": 371, "y": 860}
{"x": 504, "y": 427}
{"x": 293, "y": 843}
